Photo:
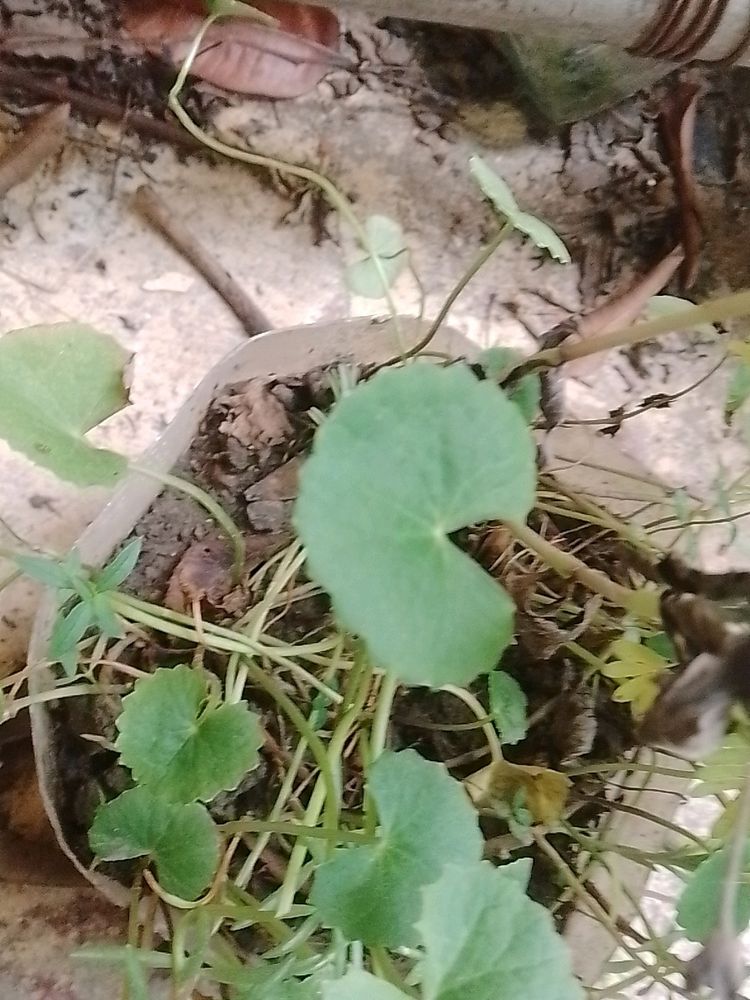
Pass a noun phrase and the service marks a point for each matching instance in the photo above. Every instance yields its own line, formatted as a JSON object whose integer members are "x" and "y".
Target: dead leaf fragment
{"x": 259, "y": 419}
{"x": 545, "y": 792}
{"x": 204, "y": 573}
{"x": 677, "y": 125}
{"x": 240, "y": 54}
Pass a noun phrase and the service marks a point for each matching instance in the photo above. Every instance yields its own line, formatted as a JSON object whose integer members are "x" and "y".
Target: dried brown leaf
{"x": 239, "y": 54}
{"x": 204, "y": 573}
{"x": 677, "y": 125}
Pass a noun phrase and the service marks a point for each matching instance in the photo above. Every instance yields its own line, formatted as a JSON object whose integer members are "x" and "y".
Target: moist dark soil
{"x": 245, "y": 455}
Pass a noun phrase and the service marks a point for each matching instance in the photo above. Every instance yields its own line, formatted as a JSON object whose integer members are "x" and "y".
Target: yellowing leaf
{"x": 636, "y": 668}
{"x": 641, "y": 692}
{"x": 544, "y": 791}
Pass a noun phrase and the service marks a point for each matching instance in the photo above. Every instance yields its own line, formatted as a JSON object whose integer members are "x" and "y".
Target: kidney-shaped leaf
{"x": 497, "y": 191}
{"x": 484, "y": 939}
{"x": 182, "y": 840}
{"x": 180, "y": 742}
{"x": 426, "y": 821}
{"x": 402, "y": 461}
{"x": 56, "y": 383}
{"x": 360, "y": 985}
{"x": 375, "y": 273}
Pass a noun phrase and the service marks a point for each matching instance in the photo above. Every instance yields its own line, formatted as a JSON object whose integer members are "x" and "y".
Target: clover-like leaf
{"x": 636, "y": 667}
{"x": 403, "y": 461}
{"x": 508, "y": 705}
{"x": 181, "y": 840}
{"x": 181, "y": 741}
{"x": 700, "y": 903}
{"x": 56, "y": 383}
{"x": 497, "y": 191}
{"x": 426, "y": 821}
{"x": 484, "y": 939}
{"x": 388, "y": 256}
{"x": 360, "y": 985}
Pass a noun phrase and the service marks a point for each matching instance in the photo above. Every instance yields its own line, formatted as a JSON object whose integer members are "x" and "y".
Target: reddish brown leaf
{"x": 203, "y": 574}
{"x": 239, "y": 54}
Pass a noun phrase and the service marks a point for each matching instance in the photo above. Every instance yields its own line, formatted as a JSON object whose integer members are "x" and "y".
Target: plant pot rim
{"x": 295, "y": 351}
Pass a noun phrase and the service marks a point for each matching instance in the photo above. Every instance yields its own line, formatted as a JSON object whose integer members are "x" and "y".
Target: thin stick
{"x": 41, "y": 139}
{"x": 156, "y": 212}
{"x": 96, "y": 107}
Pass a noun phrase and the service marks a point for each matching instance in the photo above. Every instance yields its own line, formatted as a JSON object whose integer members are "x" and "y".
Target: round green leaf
{"x": 698, "y": 909}
{"x": 180, "y": 742}
{"x": 484, "y": 939}
{"x": 388, "y": 257}
{"x": 402, "y": 462}
{"x": 182, "y": 840}
{"x": 426, "y": 821}
{"x": 56, "y": 383}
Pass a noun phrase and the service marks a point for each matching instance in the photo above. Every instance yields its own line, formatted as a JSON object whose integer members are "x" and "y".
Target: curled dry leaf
{"x": 238, "y": 53}
{"x": 545, "y": 792}
{"x": 259, "y": 420}
{"x": 204, "y": 573}
{"x": 677, "y": 123}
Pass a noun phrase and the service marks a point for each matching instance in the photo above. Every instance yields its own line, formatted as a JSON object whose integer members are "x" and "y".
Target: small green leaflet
{"x": 56, "y": 383}
{"x": 497, "y": 191}
{"x": 387, "y": 256}
{"x": 119, "y": 568}
{"x": 698, "y": 909}
{"x": 426, "y": 821}
{"x": 498, "y": 362}
{"x": 508, "y": 707}
{"x": 91, "y": 610}
{"x": 400, "y": 463}
{"x": 484, "y": 939}
{"x": 180, "y": 741}
{"x": 181, "y": 840}
{"x": 725, "y": 770}
{"x": 360, "y": 985}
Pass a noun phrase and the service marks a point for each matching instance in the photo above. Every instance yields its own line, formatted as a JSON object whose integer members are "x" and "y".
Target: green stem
{"x": 472, "y": 703}
{"x": 297, "y": 830}
{"x": 597, "y": 910}
{"x": 329, "y": 783}
{"x": 339, "y": 202}
{"x": 388, "y": 686}
{"x": 212, "y": 507}
{"x": 642, "y": 603}
{"x": 358, "y": 687}
{"x": 474, "y": 268}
